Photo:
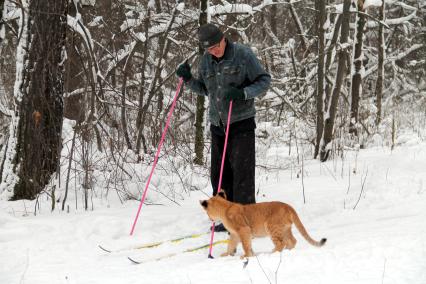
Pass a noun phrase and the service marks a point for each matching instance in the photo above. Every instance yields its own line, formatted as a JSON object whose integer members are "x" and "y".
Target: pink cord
{"x": 221, "y": 172}
{"x": 158, "y": 152}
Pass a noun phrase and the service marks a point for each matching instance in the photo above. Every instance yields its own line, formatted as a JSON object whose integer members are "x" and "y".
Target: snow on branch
{"x": 405, "y": 53}
{"x": 153, "y": 32}
{"x": 283, "y": 96}
{"x": 230, "y": 9}
{"x": 75, "y": 25}
{"x": 10, "y": 11}
{"x": 368, "y": 3}
{"x": 394, "y": 58}
{"x": 5, "y": 110}
{"x": 393, "y": 22}
{"x": 406, "y": 6}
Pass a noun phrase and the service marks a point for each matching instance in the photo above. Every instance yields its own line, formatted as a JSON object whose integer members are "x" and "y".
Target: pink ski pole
{"x": 158, "y": 153}
{"x": 221, "y": 172}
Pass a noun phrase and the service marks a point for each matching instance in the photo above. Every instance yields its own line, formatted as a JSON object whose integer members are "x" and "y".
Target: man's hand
{"x": 184, "y": 71}
{"x": 232, "y": 94}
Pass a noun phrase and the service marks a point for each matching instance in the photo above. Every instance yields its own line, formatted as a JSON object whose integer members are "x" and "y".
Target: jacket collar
{"x": 228, "y": 54}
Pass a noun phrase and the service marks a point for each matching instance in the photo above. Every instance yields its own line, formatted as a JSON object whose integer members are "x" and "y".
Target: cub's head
{"x": 215, "y": 206}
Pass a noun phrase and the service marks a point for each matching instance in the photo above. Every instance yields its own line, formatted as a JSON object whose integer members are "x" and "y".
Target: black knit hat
{"x": 209, "y": 35}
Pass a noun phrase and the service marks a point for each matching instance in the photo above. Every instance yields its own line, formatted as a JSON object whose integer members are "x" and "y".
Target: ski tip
{"x": 104, "y": 249}
{"x": 133, "y": 261}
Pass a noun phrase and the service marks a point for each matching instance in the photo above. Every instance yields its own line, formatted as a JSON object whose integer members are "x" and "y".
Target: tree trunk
{"x": 2, "y": 29}
{"x": 299, "y": 26}
{"x": 356, "y": 77}
{"x": 320, "y": 7}
{"x": 139, "y": 127}
{"x": 41, "y": 108}
{"x": 126, "y": 71}
{"x": 329, "y": 58}
{"x": 199, "y": 115}
{"x": 273, "y": 19}
{"x": 342, "y": 68}
{"x": 381, "y": 65}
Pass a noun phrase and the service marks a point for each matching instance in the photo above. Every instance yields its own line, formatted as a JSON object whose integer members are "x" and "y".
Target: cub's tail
{"x": 302, "y": 230}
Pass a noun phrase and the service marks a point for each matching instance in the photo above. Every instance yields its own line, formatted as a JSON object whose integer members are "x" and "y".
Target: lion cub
{"x": 245, "y": 222}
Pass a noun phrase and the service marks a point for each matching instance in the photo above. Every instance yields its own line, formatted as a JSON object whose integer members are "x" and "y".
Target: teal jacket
{"x": 239, "y": 68}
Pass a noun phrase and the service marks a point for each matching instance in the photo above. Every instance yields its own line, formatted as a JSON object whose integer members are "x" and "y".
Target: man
{"x": 229, "y": 71}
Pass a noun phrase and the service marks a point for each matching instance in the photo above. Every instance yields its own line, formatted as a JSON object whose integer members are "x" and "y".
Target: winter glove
{"x": 232, "y": 94}
{"x": 184, "y": 71}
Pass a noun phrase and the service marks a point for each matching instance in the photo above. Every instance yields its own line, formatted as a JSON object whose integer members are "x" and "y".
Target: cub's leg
{"x": 245, "y": 236}
{"x": 232, "y": 245}
{"x": 290, "y": 241}
{"x": 277, "y": 236}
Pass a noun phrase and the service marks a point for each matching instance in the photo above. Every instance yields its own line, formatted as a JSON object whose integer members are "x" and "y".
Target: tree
{"x": 381, "y": 65}
{"x": 342, "y": 68}
{"x": 356, "y": 77}
{"x": 2, "y": 29}
{"x": 320, "y": 7}
{"x": 35, "y": 134}
{"x": 199, "y": 116}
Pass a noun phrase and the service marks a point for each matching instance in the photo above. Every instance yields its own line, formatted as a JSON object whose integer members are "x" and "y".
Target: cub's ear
{"x": 222, "y": 194}
{"x": 203, "y": 203}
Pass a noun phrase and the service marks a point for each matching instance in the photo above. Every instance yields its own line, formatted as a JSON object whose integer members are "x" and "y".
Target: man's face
{"x": 218, "y": 49}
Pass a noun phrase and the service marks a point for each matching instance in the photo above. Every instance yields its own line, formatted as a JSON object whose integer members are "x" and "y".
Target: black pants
{"x": 238, "y": 179}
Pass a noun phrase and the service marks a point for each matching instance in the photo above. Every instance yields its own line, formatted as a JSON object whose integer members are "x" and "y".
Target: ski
{"x": 155, "y": 244}
{"x": 135, "y": 261}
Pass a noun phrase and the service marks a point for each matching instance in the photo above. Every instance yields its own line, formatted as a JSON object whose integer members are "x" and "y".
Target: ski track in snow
{"x": 382, "y": 240}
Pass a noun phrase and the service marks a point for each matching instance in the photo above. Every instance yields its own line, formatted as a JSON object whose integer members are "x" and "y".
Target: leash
{"x": 158, "y": 152}
{"x": 221, "y": 171}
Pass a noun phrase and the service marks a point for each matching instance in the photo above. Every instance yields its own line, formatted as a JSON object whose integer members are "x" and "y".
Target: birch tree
{"x": 35, "y": 132}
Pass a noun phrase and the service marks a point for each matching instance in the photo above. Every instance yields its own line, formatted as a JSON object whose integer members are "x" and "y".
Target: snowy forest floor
{"x": 374, "y": 219}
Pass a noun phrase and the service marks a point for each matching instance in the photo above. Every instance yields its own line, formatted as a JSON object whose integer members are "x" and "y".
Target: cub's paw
{"x": 246, "y": 255}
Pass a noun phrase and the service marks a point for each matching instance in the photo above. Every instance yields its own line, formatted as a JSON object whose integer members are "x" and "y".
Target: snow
{"x": 21, "y": 52}
{"x": 2, "y": 33}
{"x": 396, "y": 21}
{"x": 10, "y": 12}
{"x": 230, "y": 8}
{"x": 76, "y": 25}
{"x": 339, "y": 8}
{"x": 151, "y": 4}
{"x": 392, "y": 57}
{"x": 180, "y": 7}
{"x": 372, "y": 3}
{"x": 88, "y": 2}
{"x": 370, "y": 206}
{"x": 327, "y": 23}
{"x": 97, "y": 21}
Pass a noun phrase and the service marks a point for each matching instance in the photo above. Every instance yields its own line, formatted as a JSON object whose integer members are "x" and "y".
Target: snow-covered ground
{"x": 374, "y": 219}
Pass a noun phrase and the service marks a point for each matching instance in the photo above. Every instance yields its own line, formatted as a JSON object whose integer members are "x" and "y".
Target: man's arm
{"x": 257, "y": 75}
{"x": 197, "y": 85}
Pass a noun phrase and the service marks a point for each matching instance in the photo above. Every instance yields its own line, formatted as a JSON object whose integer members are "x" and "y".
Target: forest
{"x": 86, "y": 85}
{"x": 93, "y": 119}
